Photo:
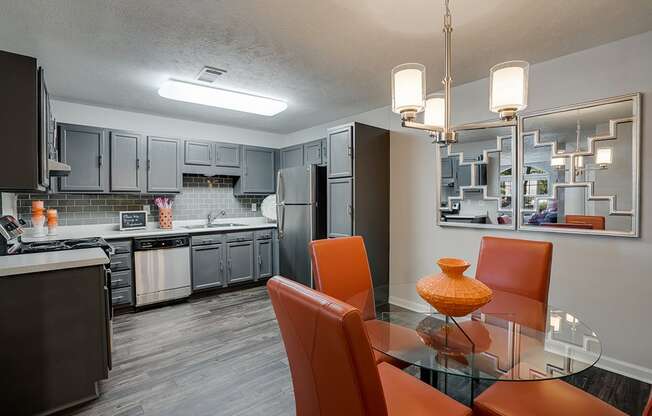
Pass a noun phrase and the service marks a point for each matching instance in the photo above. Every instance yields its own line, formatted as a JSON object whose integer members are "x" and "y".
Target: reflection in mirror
{"x": 578, "y": 170}
{"x": 477, "y": 179}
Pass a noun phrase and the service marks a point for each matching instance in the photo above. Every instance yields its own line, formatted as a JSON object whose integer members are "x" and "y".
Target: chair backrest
{"x": 596, "y": 221}
{"x": 333, "y": 367}
{"x": 341, "y": 270}
{"x": 648, "y": 407}
{"x": 521, "y": 267}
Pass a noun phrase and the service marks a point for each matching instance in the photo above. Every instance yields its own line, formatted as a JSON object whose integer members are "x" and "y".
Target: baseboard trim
{"x": 626, "y": 369}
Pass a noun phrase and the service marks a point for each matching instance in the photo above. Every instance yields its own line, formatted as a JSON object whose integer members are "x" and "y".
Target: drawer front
{"x": 264, "y": 235}
{"x": 244, "y": 236}
{"x": 201, "y": 240}
{"x": 121, "y": 296}
{"x": 120, "y": 262}
{"x": 121, "y": 247}
{"x": 121, "y": 279}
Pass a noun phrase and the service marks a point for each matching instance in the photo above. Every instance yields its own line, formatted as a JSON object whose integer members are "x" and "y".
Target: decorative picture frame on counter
{"x": 573, "y": 169}
{"x": 579, "y": 168}
{"x": 477, "y": 177}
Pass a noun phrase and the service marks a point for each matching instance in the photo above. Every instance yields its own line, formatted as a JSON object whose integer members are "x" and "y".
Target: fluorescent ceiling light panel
{"x": 217, "y": 97}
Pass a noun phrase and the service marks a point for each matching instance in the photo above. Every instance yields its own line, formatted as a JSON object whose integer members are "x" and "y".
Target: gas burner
{"x": 71, "y": 244}
{"x": 42, "y": 246}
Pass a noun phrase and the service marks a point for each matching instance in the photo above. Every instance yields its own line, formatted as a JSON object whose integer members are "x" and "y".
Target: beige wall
{"x": 606, "y": 281}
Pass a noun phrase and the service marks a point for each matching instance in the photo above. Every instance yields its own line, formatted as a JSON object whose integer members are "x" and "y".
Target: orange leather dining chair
{"x": 341, "y": 270}
{"x": 596, "y": 221}
{"x": 521, "y": 267}
{"x": 332, "y": 364}
{"x": 543, "y": 398}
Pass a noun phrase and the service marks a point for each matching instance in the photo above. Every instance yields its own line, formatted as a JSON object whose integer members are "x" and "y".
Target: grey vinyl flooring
{"x": 223, "y": 355}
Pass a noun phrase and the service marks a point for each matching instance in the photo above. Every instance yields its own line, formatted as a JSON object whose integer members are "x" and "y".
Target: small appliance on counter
{"x": 10, "y": 233}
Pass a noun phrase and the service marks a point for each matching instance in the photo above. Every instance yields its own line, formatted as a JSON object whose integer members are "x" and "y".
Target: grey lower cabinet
{"x": 85, "y": 149}
{"x": 208, "y": 266}
{"x": 127, "y": 162}
{"x": 340, "y": 151}
{"x": 340, "y": 207}
{"x": 239, "y": 261}
{"x": 259, "y": 172}
{"x": 163, "y": 165}
{"x": 292, "y": 156}
{"x": 313, "y": 153}
{"x": 264, "y": 258}
{"x": 122, "y": 275}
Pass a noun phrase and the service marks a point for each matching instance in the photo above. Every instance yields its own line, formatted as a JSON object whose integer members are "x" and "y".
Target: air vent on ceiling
{"x": 209, "y": 74}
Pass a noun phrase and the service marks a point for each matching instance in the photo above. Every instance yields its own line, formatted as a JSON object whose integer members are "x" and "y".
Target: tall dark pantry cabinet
{"x": 358, "y": 194}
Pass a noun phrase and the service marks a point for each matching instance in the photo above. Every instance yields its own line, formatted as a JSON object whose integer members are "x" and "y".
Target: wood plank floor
{"x": 223, "y": 355}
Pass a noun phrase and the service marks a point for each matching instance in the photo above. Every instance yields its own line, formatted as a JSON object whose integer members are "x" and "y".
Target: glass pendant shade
{"x": 604, "y": 156}
{"x": 579, "y": 162}
{"x": 508, "y": 86}
{"x": 435, "y": 114}
{"x": 408, "y": 88}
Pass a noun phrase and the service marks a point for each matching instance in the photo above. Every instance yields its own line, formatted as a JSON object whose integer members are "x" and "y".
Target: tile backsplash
{"x": 199, "y": 196}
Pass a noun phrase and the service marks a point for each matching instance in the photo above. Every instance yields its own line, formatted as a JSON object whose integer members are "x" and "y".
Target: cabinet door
{"x": 240, "y": 262}
{"x": 258, "y": 176}
{"x": 227, "y": 155}
{"x": 264, "y": 259}
{"x": 207, "y": 266}
{"x": 340, "y": 152}
{"x": 84, "y": 149}
{"x": 312, "y": 153}
{"x": 340, "y": 207}
{"x": 163, "y": 165}
{"x": 324, "y": 151}
{"x": 197, "y": 153}
{"x": 126, "y": 153}
{"x": 292, "y": 156}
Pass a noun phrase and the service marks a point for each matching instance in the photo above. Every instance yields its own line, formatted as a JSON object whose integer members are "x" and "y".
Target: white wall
{"x": 67, "y": 112}
{"x": 606, "y": 281}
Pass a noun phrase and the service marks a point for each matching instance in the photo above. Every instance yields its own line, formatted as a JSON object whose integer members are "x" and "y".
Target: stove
{"x": 70, "y": 244}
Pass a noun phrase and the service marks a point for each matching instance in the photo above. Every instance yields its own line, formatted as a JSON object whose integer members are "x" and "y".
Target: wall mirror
{"x": 477, "y": 177}
{"x": 578, "y": 168}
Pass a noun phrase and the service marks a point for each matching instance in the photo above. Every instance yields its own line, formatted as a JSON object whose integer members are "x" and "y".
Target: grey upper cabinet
{"x": 340, "y": 207}
{"x": 227, "y": 155}
{"x": 240, "y": 265}
{"x": 127, "y": 160}
{"x": 313, "y": 153}
{"x": 208, "y": 269}
{"x": 163, "y": 165}
{"x": 292, "y": 156}
{"x": 340, "y": 152}
{"x": 85, "y": 150}
{"x": 264, "y": 258}
{"x": 197, "y": 153}
{"x": 258, "y": 176}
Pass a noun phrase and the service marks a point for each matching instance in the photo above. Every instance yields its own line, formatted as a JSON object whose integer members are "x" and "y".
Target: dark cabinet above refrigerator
{"x": 28, "y": 141}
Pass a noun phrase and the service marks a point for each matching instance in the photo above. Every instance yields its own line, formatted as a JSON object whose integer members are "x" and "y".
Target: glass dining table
{"x": 511, "y": 339}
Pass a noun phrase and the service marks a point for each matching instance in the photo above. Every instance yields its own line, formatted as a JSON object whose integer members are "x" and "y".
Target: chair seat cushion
{"x": 540, "y": 398}
{"x": 408, "y": 396}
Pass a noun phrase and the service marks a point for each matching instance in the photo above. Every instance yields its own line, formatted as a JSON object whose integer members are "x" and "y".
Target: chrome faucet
{"x": 212, "y": 216}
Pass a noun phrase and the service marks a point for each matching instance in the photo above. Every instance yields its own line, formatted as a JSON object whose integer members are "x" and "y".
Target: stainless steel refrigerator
{"x": 301, "y": 218}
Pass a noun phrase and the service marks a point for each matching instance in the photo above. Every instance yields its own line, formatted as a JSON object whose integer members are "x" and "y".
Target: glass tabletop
{"x": 512, "y": 338}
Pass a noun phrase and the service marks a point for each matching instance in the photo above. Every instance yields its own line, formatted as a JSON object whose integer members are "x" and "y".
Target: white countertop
{"x": 111, "y": 231}
{"x": 54, "y": 260}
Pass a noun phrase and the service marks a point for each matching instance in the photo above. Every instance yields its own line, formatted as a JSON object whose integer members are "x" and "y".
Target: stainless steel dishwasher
{"x": 162, "y": 269}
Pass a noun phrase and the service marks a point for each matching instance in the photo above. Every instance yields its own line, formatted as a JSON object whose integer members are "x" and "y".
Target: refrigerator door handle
{"x": 280, "y": 205}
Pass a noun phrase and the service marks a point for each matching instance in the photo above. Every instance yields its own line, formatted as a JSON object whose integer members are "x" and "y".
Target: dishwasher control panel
{"x": 161, "y": 243}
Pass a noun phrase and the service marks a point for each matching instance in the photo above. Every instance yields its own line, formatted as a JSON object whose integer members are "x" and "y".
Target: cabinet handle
{"x": 217, "y": 155}
{"x": 149, "y": 164}
{"x": 349, "y": 209}
{"x": 117, "y": 297}
{"x": 260, "y": 260}
{"x": 349, "y": 150}
{"x": 228, "y": 264}
{"x": 99, "y": 160}
{"x": 221, "y": 265}
{"x": 137, "y": 163}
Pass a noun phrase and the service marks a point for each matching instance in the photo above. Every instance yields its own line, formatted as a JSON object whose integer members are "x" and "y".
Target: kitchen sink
{"x": 221, "y": 225}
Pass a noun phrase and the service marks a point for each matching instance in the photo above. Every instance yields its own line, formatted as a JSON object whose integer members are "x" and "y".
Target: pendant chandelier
{"x": 507, "y": 94}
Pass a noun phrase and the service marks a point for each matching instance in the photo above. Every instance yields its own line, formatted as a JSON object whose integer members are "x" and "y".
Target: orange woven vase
{"x": 452, "y": 293}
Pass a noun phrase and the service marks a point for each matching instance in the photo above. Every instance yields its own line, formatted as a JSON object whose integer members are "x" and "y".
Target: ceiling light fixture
{"x": 508, "y": 94}
{"x": 218, "y": 97}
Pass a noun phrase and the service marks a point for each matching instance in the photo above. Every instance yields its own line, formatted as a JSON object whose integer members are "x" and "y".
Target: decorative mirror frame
{"x": 438, "y": 173}
{"x": 636, "y": 144}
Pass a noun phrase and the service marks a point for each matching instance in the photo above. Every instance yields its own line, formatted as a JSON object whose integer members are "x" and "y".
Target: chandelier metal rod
{"x": 447, "y": 81}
